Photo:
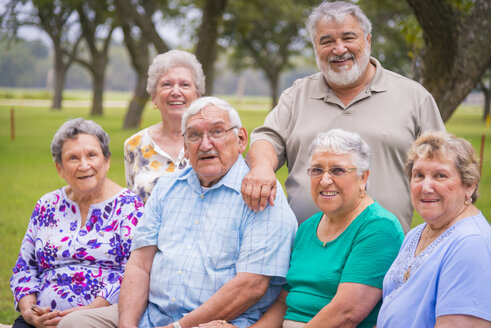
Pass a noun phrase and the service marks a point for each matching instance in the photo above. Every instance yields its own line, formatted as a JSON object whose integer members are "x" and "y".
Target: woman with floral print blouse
{"x": 175, "y": 80}
{"x": 79, "y": 236}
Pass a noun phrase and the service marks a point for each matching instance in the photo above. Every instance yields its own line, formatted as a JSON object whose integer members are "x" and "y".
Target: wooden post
{"x": 12, "y": 124}
{"x": 481, "y": 155}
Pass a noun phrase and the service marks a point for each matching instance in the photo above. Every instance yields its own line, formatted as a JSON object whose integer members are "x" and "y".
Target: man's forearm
{"x": 262, "y": 153}
{"x": 133, "y": 298}
{"x": 234, "y": 298}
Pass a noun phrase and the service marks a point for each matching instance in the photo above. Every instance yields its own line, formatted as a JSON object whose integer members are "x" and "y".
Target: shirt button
{"x": 189, "y": 247}
{"x": 173, "y": 299}
{"x": 179, "y": 272}
{"x": 202, "y": 196}
{"x": 197, "y": 222}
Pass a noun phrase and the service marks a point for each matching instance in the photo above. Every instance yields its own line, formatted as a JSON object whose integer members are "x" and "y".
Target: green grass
{"x": 27, "y": 170}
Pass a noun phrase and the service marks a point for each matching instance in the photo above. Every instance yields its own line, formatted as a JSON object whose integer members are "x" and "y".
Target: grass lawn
{"x": 27, "y": 170}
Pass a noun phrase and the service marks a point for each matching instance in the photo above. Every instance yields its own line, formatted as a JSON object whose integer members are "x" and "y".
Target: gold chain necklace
{"x": 407, "y": 274}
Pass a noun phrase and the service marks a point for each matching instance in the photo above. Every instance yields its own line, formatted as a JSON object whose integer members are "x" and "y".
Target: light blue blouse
{"x": 451, "y": 276}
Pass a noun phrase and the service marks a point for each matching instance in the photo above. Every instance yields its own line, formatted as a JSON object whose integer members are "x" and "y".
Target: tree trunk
{"x": 206, "y": 49}
{"x": 144, "y": 22}
{"x": 97, "y": 95}
{"x": 486, "y": 91}
{"x": 60, "y": 70}
{"x": 458, "y": 49}
{"x": 140, "y": 60}
{"x": 137, "y": 104}
{"x": 274, "y": 82}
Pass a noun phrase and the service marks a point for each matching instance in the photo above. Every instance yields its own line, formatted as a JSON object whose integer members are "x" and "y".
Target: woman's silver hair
{"x": 442, "y": 145}
{"x": 70, "y": 129}
{"x": 341, "y": 142}
{"x": 175, "y": 58}
{"x": 199, "y": 104}
{"x": 337, "y": 12}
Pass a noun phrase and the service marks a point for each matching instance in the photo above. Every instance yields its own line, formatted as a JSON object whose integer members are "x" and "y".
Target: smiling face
{"x": 339, "y": 196}
{"x": 342, "y": 51}
{"x": 175, "y": 91}
{"x": 211, "y": 159}
{"x": 437, "y": 191}
{"x": 83, "y": 165}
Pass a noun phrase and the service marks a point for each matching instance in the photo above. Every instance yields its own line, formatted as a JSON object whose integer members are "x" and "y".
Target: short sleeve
{"x": 374, "y": 249}
{"x": 430, "y": 117}
{"x": 129, "y": 162}
{"x": 147, "y": 231}
{"x": 464, "y": 286}
{"x": 267, "y": 240}
{"x": 275, "y": 127}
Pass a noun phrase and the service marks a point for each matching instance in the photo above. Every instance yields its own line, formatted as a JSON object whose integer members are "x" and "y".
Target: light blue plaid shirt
{"x": 205, "y": 237}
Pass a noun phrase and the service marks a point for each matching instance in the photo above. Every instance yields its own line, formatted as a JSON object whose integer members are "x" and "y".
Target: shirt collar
{"x": 321, "y": 90}
{"x": 232, "y": 179}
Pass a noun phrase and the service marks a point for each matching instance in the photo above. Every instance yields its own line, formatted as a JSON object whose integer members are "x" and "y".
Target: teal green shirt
{"x": 361, "y": 254}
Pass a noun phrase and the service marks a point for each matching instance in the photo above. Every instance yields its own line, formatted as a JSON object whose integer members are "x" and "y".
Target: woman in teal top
{"x": 341, "y": 254}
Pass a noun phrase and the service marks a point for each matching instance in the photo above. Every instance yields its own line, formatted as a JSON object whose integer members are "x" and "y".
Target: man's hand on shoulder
{"x": 259, "y": 188}
{"x": 259, "y": 185}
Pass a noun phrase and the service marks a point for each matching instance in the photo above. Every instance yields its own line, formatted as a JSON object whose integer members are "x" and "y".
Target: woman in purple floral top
{"x": 79, "y": 236}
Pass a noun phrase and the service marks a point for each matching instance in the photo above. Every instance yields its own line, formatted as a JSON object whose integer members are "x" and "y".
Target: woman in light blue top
{"x": 442, "y": 275}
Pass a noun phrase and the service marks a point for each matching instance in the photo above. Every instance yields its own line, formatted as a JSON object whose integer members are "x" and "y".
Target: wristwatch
{"x": 176, "y": 324}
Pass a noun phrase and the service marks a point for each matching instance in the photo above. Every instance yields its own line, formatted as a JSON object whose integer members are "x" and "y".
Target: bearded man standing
{"x": 352, "y": 92}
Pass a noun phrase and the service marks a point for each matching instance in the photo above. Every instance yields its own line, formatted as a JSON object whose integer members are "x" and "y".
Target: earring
{"x": 467, "y": 200}
{"x": 154, "y": 107}
{"x": 363, "y": 193}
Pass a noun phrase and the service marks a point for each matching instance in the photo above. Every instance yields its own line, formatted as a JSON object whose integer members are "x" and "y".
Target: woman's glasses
{"x": 334, "y": 172}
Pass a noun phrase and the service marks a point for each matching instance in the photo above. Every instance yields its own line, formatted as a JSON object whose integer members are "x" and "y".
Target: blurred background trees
{"x": 245, "y": 46}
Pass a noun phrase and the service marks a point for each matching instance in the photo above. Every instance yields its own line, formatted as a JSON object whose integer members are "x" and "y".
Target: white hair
{"x": 337, "y": 12}
{"x": 199, "y": 104}
{"x": 175, "y": 58}
{"x": 344, "y": 142}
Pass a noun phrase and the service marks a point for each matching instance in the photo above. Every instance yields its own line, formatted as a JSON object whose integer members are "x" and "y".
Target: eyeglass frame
{"x": 346, "y": 171}
{"x": 207, "y": 133}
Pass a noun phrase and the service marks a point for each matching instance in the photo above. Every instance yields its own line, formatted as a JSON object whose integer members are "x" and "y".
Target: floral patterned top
{"x": 145, "y": 162}
{"x": 67, "y": 265}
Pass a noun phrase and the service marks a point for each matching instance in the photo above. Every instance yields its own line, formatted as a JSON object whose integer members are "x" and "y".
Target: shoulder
{"x": 135, "y": 139}
{"x": 396, "y": 81}
{"x": 375, "y": 215}
{"x": 281, "y": 212}
{"x": 308, "y": 81}
{"x": 127, "y": 196}
{"x": 166, "y": 181}
{"x": 310, "y": 223}
{"x": 52, "y": 197}
{"x": 471, "y": 234}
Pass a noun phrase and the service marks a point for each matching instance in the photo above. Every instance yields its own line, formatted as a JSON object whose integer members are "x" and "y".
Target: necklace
{"x": 407, "y": 273}
{"x": 425, "y": 242}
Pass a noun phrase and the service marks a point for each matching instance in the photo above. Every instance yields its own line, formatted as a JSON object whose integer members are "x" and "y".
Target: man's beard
{"x": 346, "y": 76}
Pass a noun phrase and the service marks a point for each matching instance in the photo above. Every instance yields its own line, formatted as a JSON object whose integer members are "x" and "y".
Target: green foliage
{"x": 413, "y": 34}
{"x": 266, "y": 35}
{"x": 389, "y": 43}
{"x": 23, "y": 63}
{"x": 464, "y": 6}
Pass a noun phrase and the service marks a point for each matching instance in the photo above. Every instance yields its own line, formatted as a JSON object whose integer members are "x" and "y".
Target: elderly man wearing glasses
{"x": 200, "y": 254}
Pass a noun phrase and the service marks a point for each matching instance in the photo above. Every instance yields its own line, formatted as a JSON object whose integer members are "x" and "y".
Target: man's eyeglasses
{"x": 216, "y": 134}
{"x": 334, "y": 172}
